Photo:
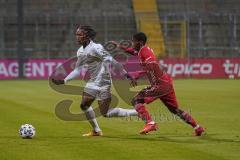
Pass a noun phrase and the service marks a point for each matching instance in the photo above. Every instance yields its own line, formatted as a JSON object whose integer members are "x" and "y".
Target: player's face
{"x": 81, "y": 36}
{"x": 136, "y": 44}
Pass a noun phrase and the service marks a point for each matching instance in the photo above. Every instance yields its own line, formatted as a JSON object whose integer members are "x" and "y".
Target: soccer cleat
{"x": 148, "y": 128}
{"x": 93, "y": 133}
{"x": 199, "y": 131}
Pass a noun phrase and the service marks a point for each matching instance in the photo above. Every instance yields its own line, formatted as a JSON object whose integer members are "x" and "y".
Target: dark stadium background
{"x": 194, "y": 38}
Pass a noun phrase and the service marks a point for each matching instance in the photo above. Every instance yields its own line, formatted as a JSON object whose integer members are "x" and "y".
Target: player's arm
{"x": 107, "y": 58}
{"x": 127, "y": 50}
{"x": 138, "y": 74}
{"x": 120, "y": 67}
{"x": 72, "y": 75}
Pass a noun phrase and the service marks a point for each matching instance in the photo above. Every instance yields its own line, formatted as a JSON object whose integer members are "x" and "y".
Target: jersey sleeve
{"x": 137, "y": 74}
{"x": 80, "y": 60}
{"x": 146, "y": 55}
{"x": 130, "y": 50}
{"x": 106, "y": 57}
{"x": 75, "y": 72}
{"x": 100, "y": 53}
{"x": 72, "y": 75}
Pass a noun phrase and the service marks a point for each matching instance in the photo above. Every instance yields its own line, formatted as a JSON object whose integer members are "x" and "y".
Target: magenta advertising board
{"x": 202, "y": 68}
{"x": 33, "y": 69}
{"x": 177, "y": 68}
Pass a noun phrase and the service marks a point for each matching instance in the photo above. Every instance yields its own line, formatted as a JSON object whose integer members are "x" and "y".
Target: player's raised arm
{"x": 129, "y": 50}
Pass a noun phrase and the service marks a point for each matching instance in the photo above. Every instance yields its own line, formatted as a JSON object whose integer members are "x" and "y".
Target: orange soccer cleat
{"x": 93, "y": 133}
{"x": 199, "y": 131}
{"x": 148, "y": 128}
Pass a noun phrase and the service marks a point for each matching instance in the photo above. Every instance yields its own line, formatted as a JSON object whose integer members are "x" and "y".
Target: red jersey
{"x": 150, "y": 65}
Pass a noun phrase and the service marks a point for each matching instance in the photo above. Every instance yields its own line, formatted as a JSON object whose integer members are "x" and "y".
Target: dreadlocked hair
{"x": 91, "y": 33}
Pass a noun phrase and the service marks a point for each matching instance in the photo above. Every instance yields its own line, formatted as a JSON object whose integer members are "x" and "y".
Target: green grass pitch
{"x": 213, "y": 103}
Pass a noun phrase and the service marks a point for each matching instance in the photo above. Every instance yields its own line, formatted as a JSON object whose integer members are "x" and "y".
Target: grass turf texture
{"x": 214, "y": 103}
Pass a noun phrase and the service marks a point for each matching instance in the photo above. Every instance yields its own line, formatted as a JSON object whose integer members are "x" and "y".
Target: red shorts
{"x": 165, "y": 92}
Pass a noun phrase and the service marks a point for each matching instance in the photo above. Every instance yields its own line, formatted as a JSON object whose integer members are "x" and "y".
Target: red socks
{"x": 143, "y": 113}
{"x": 188, "y": 118}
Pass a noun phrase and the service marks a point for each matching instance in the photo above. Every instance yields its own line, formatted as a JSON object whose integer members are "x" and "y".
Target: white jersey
{"x": 96, "y": 59}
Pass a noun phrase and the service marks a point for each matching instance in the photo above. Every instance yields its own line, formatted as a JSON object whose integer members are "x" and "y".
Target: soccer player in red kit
{"x": 161, "y": 86}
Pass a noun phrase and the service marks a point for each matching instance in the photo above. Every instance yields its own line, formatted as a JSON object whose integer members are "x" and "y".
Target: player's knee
{"x": 137, "y": 101}
{"x": 83, "y": 106}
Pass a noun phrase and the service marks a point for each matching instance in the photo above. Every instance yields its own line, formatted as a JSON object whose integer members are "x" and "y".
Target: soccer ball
{"x": 27, "y": 131}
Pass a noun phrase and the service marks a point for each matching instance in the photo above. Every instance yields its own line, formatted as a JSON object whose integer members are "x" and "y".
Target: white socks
{"x": 114, "y": 112}
{"x": 120, "y": 112}
{"x": 90, "y": 115}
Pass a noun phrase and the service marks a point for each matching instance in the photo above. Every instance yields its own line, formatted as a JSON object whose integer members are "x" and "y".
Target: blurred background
{"x": 178, "y": 30}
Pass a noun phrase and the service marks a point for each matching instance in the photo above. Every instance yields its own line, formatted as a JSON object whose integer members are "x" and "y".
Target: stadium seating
{"x": 212, "y": 26}
{"x": 207, "y": 28}
{"x": 49, "y": 25}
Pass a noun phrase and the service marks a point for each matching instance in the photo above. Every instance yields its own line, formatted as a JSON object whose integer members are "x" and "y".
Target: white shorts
{"x": 100, "y": 93}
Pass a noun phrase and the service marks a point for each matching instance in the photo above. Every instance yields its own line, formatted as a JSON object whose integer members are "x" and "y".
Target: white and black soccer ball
{"x": 27, "y": 131}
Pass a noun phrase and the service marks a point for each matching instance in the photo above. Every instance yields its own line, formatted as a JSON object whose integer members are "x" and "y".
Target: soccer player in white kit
{"x": 98, "y": 86}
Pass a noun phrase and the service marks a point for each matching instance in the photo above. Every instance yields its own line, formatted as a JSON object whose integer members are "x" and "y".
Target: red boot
{"x": 148, "y": 128}
{"x": 199, "y": 131}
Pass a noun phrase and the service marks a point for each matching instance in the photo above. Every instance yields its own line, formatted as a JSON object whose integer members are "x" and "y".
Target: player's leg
{"x": 147, "y": 96}
{"x": 186, "y": 117}
{"x": 104, "y": 103}
{"x": 171, "y": 102}
{"x": 138, "y": 102}
{"x": 87, "y": 100}
{"x": 120, "y": 112}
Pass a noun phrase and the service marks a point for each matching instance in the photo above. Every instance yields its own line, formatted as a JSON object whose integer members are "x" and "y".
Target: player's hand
{"x": 133, "y": 80}
{"x": 115, "y": 43}
{"x": 58, "y": 82}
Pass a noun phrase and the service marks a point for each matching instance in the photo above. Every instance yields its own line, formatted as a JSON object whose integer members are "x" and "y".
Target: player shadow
{"x": 211, "y": 138}
{"x": 187, "y": 139}
{"x": 207, "y": 138}
{"x": 154, "y": 138}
